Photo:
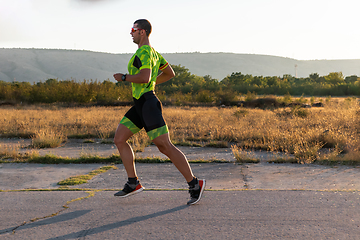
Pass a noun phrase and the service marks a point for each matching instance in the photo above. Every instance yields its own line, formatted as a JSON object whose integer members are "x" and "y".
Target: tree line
{"x": 185, "y": 87}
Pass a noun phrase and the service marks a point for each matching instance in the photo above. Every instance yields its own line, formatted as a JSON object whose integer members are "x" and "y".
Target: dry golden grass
{"x": 243, "y": 156}
{"x": 70, "y": 122}
{"x": 9, "y": 151}
{"x": 47, "y": 138}
{"x": 12, "y": 151}
{"x": 300, "y": 131}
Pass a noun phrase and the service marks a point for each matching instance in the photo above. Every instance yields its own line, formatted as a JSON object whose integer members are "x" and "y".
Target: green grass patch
{"x": 208, "y": 161}
{"x": 80, "y": 179}
{"x": 303, "y": 153}
{"x": 89, "y": 159}
{"x": 283, "y": 160}
{"x": 152, "y": 160}
{"x": 53, "y": 159}
{"x": 335, "y": 162}
{"x": 202, "y": 143}
{"x": 81, "y": 136}
{"x": 188, "y": 144}
{"x": 217, "y": 144}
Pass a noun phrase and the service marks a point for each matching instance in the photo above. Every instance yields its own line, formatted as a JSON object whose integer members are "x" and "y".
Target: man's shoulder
{"x": 147, "y": 51}
{"x": 144, "y": 49}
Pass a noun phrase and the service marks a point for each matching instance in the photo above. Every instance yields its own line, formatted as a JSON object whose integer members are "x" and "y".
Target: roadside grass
{"x": 9, "y": 151}
{"x": 217, "y": 144}
{"x": 47, "y": 138}
{"x": 34, "y": 157}
{"x": 243, "y": 156}
{"x": 53, "y": 159}
{"x": 185, "y": 143}
{"x": 80, "y": 179}
{"x": 283, "y": 160}
{"x": 335, "y": 158}
{"x": 303, "y": 133}
{"x": 201, "y": 143}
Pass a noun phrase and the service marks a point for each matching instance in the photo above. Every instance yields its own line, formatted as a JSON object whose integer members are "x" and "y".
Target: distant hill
{"x": 34, "y": 65}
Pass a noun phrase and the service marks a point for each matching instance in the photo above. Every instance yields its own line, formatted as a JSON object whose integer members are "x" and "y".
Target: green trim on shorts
{"x": 130, "y": 125}
{"x": 157, "y": 132}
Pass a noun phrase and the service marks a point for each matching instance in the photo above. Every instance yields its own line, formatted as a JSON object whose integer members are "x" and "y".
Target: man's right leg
{"x": 133, "y": 186}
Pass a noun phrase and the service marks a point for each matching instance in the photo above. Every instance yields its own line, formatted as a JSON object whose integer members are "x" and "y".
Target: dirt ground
{"x": 74, "y": 148}
{"x": 227, "y": 175}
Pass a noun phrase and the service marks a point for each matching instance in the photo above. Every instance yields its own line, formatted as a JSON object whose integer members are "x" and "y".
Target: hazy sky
{"x": 302, "y": 29}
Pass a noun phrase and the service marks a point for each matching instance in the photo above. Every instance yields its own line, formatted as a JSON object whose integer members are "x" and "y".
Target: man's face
{"x": 135, "y": 34}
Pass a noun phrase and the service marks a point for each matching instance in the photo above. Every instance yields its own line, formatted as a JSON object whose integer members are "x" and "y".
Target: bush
{"x": 205, "y": 96}
{"x": 198, "y": 89}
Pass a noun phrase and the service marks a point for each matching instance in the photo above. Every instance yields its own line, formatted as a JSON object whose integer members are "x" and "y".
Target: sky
{"x": 302, "y": 29}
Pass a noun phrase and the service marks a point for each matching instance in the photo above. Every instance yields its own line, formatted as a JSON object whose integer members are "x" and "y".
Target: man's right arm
{"x": 142, "y": 77}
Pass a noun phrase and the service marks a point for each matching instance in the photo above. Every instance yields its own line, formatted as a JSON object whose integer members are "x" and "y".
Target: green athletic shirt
{"x": 145, "y": 57}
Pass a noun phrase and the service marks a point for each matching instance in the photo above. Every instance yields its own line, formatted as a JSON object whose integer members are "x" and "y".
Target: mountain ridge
{"x": 34, "y": 65}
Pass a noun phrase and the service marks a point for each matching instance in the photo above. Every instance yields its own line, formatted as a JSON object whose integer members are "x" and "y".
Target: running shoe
{"x": 196, "y": 192}
{"x": 130, "y": 189}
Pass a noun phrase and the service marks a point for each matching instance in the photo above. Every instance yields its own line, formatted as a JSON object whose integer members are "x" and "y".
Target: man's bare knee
{"x": 117, "y": 142}
{"x": 164, "y": 148}
{"x": 122, "y": 134}
{"x": 117, "y": 139}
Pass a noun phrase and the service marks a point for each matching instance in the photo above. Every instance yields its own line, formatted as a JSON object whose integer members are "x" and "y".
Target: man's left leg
{"x": 196, "y": 187}
{"x": 175, "y": 155}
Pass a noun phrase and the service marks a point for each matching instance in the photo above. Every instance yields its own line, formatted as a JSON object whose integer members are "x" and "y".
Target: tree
{"x": 183, "y": 81}
{"x": 351, "y": 79}
{"x": 236, "y": 78}
{"x": 334, "y": 78}
{"x": 314, "y": 77}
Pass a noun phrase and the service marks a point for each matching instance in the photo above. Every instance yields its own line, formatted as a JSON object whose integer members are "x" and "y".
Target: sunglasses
{"x": 135, "y": 29}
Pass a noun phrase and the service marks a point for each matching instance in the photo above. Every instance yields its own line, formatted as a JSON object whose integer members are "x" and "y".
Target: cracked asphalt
{"x": 163, "y": 215}
{"x": 251, "y": 201}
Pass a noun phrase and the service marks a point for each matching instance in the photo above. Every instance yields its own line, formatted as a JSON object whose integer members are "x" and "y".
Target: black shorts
{"x": 146, "y": 113}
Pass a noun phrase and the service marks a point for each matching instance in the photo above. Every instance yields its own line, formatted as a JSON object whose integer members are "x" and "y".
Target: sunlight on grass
{"x": 243, "y": 156}
{"x": 46, "y": 138}
{"x": 293, "y": 130}
{"x": 9, "y": 151}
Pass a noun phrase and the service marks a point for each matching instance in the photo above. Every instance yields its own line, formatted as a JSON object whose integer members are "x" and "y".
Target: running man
{"x": 147, "y": 113}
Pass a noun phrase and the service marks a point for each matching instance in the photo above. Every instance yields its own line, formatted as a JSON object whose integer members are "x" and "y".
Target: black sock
{"x": 133, "y": 180}
{"x": 193, "y": 182}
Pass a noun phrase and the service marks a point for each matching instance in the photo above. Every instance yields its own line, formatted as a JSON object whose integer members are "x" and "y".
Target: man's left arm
{"x": 165, "y": 75}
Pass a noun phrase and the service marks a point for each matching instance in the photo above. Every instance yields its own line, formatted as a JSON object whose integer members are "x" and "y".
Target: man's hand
{"x": 118, "y": 76}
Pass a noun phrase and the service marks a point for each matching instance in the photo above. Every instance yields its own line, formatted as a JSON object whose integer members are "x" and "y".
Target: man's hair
{"x": 144, "y": 24}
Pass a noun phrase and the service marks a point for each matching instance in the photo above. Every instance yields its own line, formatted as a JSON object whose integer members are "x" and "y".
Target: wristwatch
{"x": 123, "y": 77}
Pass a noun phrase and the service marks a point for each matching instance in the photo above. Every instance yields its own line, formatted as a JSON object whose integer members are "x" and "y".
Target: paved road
{"x": 163, "y": 215}
{"x": 237, "y": 212}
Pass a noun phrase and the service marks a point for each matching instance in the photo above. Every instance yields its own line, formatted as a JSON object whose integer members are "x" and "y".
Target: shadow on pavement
{"x": 56, "y": 219}
{"x": 129, "y": 221}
